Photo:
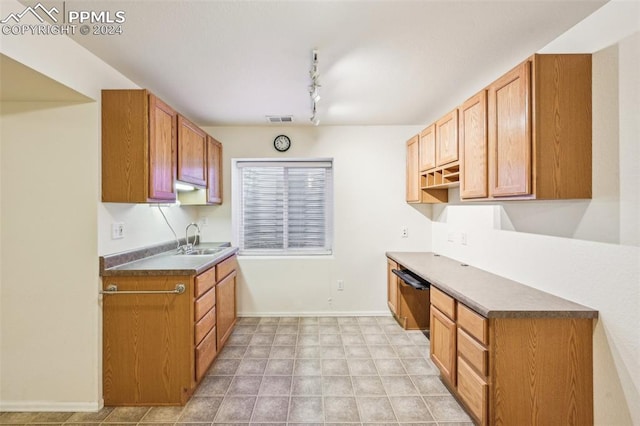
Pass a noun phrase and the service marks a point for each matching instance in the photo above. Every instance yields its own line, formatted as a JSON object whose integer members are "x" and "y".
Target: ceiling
{"x": 381, "y": 62}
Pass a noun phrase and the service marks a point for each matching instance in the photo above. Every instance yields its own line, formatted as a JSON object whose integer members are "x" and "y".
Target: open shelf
{"x": 441, "y": 177}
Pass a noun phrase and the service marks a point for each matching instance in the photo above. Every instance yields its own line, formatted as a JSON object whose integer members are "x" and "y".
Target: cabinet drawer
{"x": 205, "y": 281}
{"x": 474, "y": 324}
{"x": 473, "y": 352}
{"x": 205, "y": 353}
{"x": 225, "y": 267}
{"x": 205, "y": 325}
{"x": 445, "y": 303}
{"x": 473, "y": 391}
{"x": 205, "y": 303}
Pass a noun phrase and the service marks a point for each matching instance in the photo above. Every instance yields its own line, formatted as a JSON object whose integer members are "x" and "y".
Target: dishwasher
{"x": 413, "y": 297}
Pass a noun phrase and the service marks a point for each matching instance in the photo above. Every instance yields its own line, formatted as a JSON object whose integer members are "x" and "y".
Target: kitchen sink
{"x": 204, "y": 251}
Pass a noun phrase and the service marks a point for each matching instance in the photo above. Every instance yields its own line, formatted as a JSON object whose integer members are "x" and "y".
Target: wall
{"x": 586, "y": 251}
{"x": 53, "y": 228}
{"x": 369, "y": 213}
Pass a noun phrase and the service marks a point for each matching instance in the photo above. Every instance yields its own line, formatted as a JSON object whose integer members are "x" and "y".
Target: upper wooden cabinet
{"x": 539, "y": 129}
{"x": 447, "y": 139}
{"x": 214, "y": 171}
{"x": 192, "y": 153}
{"x": 413, "y": 176}
{"x": 139, "y": 134}
{"x": 472, "y": 135}
{"x": 428, "y": 148}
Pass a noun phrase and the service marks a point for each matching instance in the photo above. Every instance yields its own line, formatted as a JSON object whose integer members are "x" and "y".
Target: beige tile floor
{"x": 312, "y": 371}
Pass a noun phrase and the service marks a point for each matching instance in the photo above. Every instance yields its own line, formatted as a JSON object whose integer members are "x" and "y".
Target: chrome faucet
{"x": 196, "y": 237}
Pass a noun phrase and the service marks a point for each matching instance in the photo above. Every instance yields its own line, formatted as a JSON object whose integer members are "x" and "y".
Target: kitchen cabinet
{"x": 157, "y": 347}
{"x": 213, "y": 192}
{"x": 226, "y": 296}
{"x": 428, "y": 148}
{"x": 447, "y": 139}
{"x": 539, "y": 129}
{"x": 408, "y": 305}
{"x": 413, "y": 177}
{"x": 192, "y": 153}
{"x": 513, "y": 370}
{"x": 473, "y": 147}
{"x": 139, "y": 139}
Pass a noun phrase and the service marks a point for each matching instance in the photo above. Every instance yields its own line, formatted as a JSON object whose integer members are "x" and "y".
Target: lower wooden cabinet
{"x": 157, "y": 347}
{"x": 514, "y": 371}
{"x": 409, "y": 306}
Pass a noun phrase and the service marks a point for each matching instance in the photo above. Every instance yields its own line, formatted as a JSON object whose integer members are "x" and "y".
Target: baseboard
{"x": 317, "y": 314}
{"x": 46, "y": 406}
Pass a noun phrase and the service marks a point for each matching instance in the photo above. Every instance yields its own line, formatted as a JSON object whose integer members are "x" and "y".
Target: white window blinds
{"x": 285, "y": 207}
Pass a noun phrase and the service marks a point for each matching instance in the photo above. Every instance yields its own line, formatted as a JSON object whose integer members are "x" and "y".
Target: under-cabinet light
{"x": 184, "y": 187}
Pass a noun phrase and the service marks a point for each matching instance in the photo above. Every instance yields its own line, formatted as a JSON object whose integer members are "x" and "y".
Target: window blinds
{"x": 285, "y": 207}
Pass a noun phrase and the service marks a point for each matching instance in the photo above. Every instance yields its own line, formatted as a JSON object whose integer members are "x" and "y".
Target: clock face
{"x": 282, "y": 143}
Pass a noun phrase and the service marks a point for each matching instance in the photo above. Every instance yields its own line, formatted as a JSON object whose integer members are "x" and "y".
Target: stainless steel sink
{"x": 204, "y": 251}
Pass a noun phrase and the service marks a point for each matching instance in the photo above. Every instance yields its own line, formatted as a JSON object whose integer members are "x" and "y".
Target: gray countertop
{"x": 148, "y": 261}
{"x": 490, "y": 295}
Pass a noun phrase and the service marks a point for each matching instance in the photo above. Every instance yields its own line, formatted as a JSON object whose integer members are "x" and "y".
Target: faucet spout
{"x": 196, "y": 236}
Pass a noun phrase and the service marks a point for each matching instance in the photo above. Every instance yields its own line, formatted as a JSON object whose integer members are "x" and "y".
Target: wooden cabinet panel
{"x": 413, "y": 307}
{"x": 510, "y": 133}
{"x": 226, "y": 267}
{"x": 205, "y": 325}
{"x": 206, "y": 351}
{"x": 204, "y": 304}
{"x": 473, "y": 391}
{"x": 444, "y": 302}
{"x": 192, "y": 154}
{"x": 474, "y": 324}
{"x": 205, "y": 281}
{"x": 392, "y": 287}
{"x": 447, "y": 139}
{"x": 428, "y": 148}
{"x": 139, "y": 134}
{"x": 443, "y": 345}
{"x": 214, "y": 171}
{"x": 226, "y": 307}
{"x": 473, "y": 147}
{"x": 413, "y": 176}
{"x": 476, "y": 354}
{"x": 147, "y": 361}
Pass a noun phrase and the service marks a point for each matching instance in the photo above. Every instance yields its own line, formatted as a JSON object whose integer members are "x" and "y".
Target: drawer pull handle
{"x": 113, "y": 289}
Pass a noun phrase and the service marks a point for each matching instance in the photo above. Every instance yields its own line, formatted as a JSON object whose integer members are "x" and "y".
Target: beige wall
{"x": 585, "y": 251}
{"x": 369, "y": 213}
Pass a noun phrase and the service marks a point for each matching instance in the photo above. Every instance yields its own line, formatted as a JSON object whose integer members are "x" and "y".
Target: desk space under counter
{"x": 511, "y": 354}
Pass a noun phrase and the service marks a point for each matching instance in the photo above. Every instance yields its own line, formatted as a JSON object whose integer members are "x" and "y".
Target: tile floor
{"x": 312, "y": 371}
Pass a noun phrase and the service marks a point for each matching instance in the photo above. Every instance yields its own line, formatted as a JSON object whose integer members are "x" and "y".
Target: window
{"x": 283, "y": 207}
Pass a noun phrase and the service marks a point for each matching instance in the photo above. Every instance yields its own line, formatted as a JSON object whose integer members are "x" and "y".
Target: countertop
{"x": 162, "y": 259}
{"x": 490, "y": 295}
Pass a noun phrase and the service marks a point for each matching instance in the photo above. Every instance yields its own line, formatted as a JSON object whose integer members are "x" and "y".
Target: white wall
{"x": 369, "y": 180}
{"x": 53, "y": 227}
{"x": 585, "y": 251}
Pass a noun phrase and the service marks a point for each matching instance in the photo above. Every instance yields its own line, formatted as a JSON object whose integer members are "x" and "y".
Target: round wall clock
{"x": 282, "y": 143}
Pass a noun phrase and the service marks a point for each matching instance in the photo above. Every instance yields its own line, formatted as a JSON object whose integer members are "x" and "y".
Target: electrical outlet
{"x": 405, "y": 232}
{"x": 340, "y": 285}
{"x": 463, "y": 238}
{"x": 451, "y": 237}
{"x": 204, "y": 221}
{"x": 117, "y": 230}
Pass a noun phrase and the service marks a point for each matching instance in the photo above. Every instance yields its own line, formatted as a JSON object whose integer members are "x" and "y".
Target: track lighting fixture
{"x": 314, "y": 92}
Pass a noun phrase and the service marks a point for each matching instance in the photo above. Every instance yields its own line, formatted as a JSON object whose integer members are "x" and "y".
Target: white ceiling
{"x": 381, "y": 62}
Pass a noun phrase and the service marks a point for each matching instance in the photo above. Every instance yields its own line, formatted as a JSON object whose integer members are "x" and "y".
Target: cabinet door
{"x": 162, "y": 150}
{"x": 214, "y": 171}
{"x": 510, "y": 133}
{"x": 428, "y": 148}
{"x": 447, "y": 139}
{"x": 147, "y": 342}
{"x": 473, "y": 147}
{"x": 443, "y": 345}
{"x": 192, "y": 146}
{"x": 392, "y": 287}
{"x": 225, "y": 308}
{"x": 413, "y": 176}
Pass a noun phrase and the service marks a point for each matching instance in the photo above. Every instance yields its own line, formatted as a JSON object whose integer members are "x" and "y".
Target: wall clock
{"x": 282, "y": 143}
